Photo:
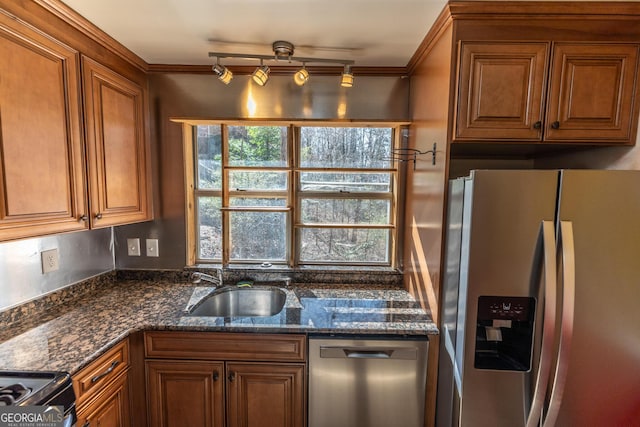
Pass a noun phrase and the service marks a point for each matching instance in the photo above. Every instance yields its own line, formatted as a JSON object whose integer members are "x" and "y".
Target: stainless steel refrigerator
{"x": 541, "y": 300}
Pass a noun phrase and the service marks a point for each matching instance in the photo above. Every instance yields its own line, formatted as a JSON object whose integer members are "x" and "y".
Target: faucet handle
{"x": 197, "y": 277}
{"x": 287, "y": 281}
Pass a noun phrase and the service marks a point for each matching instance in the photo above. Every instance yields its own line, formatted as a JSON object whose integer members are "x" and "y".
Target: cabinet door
{"x": 116, "y": 147}
{"x": 265, "y": 395}
{"x": 185, "y": 393}
{"x": 110, "y": 408}
{"x": 592, "y": 93}
{"x": 501, "y": 91}
{"x": 41, "y": 161}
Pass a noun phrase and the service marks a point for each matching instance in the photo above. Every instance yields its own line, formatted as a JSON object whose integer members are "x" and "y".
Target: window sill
{"x": 356, "y": 275}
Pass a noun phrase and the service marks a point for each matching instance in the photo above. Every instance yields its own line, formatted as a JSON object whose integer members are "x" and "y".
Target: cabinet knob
{"x": 216, "y": 375}
{"x": 232, "y": 376}
{"x": 537, "y": 125}
{"x": 86, "y": 424}
{"x": 83, "y": 218}
{"x": 555, "y": 125}
{"x": 98, "y": 216}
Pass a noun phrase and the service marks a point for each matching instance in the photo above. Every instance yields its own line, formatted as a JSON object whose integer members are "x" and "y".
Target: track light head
{"x": 223, "y": 73}
{"x": 347, "y": 77}
{"x": 261, "y": 75}
{"x": 301, "y": 76}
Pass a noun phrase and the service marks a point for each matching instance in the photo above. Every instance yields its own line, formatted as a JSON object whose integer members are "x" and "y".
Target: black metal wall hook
{"x": 411, "y": 155}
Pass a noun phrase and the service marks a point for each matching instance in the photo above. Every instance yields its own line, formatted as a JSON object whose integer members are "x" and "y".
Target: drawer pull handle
{"x": 107, "y": 372}
{"x": 86, "y": 424}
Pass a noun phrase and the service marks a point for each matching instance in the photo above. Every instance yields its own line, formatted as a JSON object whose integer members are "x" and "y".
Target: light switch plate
{"x": 152, "y": 247}
{"x": 133, "y": 247}
{"x": 50, "y": 261}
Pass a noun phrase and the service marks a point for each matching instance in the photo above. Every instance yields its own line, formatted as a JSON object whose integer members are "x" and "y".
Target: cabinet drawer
{"x": 224, "y": 346}
{"x": 109, "y": 406}
{"x": 99, "y": 373}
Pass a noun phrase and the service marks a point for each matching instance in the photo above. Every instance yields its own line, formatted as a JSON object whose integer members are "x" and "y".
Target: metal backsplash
{"x": 204, "y": 97}
{"x": 82, "y": 255}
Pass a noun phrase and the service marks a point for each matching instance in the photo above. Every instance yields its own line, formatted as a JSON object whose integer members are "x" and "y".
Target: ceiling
{"x": 377, "y": 33}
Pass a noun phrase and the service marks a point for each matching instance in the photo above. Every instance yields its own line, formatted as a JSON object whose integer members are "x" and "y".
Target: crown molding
{"x": 443, "y": 21}
{"x": 461, "y": 11}
{"x": 536, "y": 9}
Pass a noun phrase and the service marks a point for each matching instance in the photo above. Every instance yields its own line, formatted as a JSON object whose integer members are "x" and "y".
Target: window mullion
{"x": 258, "y": 194}
{"x": 345, "y": 195}
{"x": 226, "y": 234}
{"x": 363, "y": 170}
{"x": 395, "y": 245}
{"x": 293, "y": 216}
{"x": 347, "y": 226}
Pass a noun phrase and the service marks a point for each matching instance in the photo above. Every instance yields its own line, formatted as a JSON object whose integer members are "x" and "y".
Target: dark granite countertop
{"x": 76, "y": 331}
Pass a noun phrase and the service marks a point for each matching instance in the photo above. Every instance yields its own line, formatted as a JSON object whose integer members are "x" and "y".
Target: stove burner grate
{"x": 9, "y": 395}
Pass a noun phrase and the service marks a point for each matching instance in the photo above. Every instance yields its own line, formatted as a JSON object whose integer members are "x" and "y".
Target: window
{"x": 294, "y": 195}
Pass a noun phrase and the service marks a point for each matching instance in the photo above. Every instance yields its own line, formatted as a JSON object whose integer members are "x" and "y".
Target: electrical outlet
{"x": 152, "y": 247}
{"x": 50, "y": 260}
{"x": 133, "y": 247}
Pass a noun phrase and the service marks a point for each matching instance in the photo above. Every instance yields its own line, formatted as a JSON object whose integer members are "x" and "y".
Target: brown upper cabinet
{"x": 51, "y": 179}
{"x": 559, "y": 92}
{"x": 116, "y": 149}
{"x": 42, "y": 185}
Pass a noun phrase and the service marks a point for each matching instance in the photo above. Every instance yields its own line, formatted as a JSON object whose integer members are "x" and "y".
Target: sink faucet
{"x": 286, "y": 280}
{"x": 216, "y": 280}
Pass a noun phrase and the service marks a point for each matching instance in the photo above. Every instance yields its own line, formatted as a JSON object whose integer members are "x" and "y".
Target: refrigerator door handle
{"x": 550, "y": 278}
{"x": 565, "y": 238}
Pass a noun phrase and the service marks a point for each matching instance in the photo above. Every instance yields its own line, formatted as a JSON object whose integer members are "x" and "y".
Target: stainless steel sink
{"x": 241, "y": 302}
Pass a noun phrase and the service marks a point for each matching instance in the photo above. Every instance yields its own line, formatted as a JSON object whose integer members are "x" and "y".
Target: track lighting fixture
{"x": 261, "y": 74}
{"x": 347, "y": 77}
{"x": 283, "y": 51}
{"x": 223, "y": 73}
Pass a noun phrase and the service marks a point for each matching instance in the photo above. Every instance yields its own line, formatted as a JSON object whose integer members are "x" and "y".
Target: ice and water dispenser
{"x": 504, "y": 333}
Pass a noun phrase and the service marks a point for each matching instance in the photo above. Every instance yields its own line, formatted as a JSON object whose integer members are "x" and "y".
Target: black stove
{"x": 25, "y": 388}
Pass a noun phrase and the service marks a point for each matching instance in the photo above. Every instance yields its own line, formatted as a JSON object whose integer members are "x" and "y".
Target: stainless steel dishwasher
{"x": 367, "y": 382}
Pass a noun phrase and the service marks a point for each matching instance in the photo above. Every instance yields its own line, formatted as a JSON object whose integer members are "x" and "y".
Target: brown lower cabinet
{"x": 193, "y": 379}
{"x": 265, "y": 395}
{"x": 198, "y": 393}
{"x": 110, "y": 408}
{"x": 102, "y": 390}
{"x": 185, "y": 393}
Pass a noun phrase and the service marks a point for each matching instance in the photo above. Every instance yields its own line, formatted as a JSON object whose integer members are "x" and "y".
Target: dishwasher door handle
{"x": 368, "y": 354}
{"x": 405, "y": 353}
